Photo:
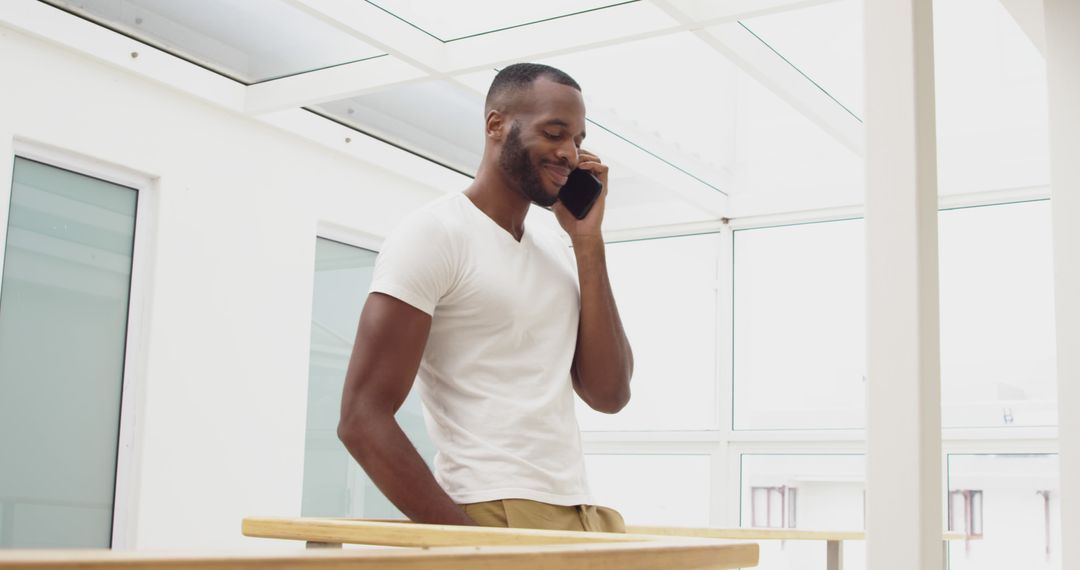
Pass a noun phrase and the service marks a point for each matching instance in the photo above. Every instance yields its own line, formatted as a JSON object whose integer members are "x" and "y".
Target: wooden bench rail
{"x": 333, "y": 532}
{"x": 743, "y": 533}
{"x": 601, "y": 556}
{"x": 406, "y": 534}
{"x": 834, "y": 540}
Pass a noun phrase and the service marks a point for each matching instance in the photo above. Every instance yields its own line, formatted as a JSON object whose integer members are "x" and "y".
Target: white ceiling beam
{"x": 760, "y": 62}
{"x": 1029, "y": 15}
{"x": 330, "y": 84}
{"x": 56, "y": 26}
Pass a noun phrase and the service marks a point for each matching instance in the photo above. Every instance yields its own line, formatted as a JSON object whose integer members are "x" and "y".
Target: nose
{"x": 568, "y": 152}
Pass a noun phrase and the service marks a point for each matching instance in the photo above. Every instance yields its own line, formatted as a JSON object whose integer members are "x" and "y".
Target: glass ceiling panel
{"x": 784, "y": 161}
{"x": 245, "y": 40}
{"x": 721, "y": 126}
{"x": 450, "y": 132}
{"x": 450, "y": 21}
{"x": 992, "y": 121}
{"x": 438, "y": 119}
{"x": 990, "y": 81}
{"x": 824, "y": 42}
{"x": 633, "y": 89}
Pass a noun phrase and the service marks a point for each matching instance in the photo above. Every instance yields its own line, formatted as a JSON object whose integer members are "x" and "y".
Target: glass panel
{"x": 991, "y": 109}
{"x": 811, "y": 492}
{"x": 1013, "y": 503}
{"x": 824, "y": 42}
{"x": 666, "y": 293}
{"x": 817, "y": 170}
{"x": 670, "y": 490}
{"x": 990, "y": 83}
{"x": 451, "y": 132}
{"x": 63, "y": 328}
{"x": 799, "y": 326}
{"x": 247, "y": 41}
{"x": 799, "y": 292}
{"x": 449, "y": 21}
{"x": 728, "y": 130}
{"x": 997, "y": 316}
{"x": 696, "y": 135}
{"x": 334, "y": 484}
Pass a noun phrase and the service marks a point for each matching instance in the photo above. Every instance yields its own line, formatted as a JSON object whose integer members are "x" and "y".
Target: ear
{"x": 494, "y": 125}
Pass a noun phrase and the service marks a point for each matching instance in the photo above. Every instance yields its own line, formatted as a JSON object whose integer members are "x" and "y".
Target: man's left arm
{"x": 603, "y": 361}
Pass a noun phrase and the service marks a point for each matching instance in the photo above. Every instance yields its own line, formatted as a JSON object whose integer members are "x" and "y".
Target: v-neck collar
{"x": 495, "y": 225}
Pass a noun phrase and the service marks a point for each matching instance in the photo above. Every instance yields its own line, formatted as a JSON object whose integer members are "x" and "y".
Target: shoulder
{"x": 437, "y": 224}
{"x": 420, "y": 259}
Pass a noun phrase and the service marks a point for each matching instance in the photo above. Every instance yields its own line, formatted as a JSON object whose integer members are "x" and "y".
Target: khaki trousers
{"x": 523, "y": 513}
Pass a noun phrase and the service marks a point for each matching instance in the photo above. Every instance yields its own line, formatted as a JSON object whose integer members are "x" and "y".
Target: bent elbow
{"x": 352, "y": 432}
{"x": 347, "y": 434}
{"x": 614, "y": 403}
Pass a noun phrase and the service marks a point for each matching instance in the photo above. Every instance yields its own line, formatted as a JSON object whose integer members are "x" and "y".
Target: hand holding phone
{"x": 580, "y": 192}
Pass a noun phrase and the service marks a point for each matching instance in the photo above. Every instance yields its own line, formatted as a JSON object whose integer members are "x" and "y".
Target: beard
{"x": 514, "y": 161}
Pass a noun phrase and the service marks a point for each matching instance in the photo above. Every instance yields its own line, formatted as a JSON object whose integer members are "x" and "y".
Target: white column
{"x": 1063, "y": 82}
{"x": 903, "y": 467}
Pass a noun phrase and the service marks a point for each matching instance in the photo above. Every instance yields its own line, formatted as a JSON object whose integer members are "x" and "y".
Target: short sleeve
{"x": 416, "y": 263}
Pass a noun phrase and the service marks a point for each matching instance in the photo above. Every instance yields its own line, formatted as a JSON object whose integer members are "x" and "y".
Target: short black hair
{"x": 519, "y": 76}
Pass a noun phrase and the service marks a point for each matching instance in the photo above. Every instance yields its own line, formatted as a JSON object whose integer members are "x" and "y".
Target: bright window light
{"x": 659, "y": 489}
{"x": 666, "y": 292}
{"x": 799, "y": 321}
{"x": 815, "y": 491}
{"x": 997, "y": 316}
{"x": 991, "y": 100}
{"x": 799, "y": 326}
{"x": 1012, "y": 504}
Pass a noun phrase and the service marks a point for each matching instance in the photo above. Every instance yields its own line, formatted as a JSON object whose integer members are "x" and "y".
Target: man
{"x": 499, "y": 327}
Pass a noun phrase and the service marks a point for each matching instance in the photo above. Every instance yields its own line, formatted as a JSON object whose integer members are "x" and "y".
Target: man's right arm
{"x": 390, "y": 341}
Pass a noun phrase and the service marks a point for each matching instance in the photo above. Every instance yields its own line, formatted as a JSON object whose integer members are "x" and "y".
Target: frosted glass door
{"x": 334, "y": 484}
{"x": 63, "y": 325}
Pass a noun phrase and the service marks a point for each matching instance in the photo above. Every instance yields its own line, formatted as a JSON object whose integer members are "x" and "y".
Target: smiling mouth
{"x": 559, "y": 174}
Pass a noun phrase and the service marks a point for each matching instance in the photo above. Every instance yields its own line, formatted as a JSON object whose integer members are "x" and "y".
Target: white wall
{"x": 229, "y": 292}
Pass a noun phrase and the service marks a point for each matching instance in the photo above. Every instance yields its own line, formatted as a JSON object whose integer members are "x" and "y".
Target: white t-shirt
{"x": 495, "y": 375}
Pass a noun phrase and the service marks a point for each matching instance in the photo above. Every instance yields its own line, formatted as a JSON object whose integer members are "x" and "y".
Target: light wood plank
{"x": 610, "y": 556}
{"x": 382, "y": 533}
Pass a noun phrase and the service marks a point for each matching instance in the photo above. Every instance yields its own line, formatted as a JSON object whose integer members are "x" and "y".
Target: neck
{"x": 493, "y": 194}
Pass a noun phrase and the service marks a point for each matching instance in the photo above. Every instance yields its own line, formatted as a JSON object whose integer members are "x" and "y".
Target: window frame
{"x": 140, "y": 302}
{"x": 726, "y": 445}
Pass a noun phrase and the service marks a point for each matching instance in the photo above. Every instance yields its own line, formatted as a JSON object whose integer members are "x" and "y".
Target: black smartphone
{"x": 580, "y": 192}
